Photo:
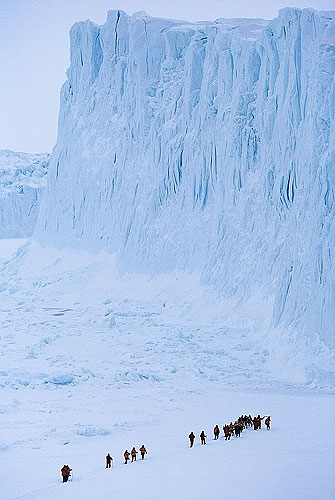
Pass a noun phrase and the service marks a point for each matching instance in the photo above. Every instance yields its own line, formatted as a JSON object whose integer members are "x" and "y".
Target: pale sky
{"x": 34, "y": 55}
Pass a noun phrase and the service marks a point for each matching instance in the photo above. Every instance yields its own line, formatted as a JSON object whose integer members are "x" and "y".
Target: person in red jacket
{"x": 65, "y": 472}
{"x": 126, "y": 456}
{"x": 143, "y": 451}
{"x": 226, "y": 432}
{"x": 133, "y": 454}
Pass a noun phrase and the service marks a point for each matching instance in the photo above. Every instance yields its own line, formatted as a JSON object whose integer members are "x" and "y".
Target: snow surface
{"x": 22, "y": 179}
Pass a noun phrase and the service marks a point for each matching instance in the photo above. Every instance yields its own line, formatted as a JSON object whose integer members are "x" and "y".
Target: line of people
{"x": 126, "y": 455}
{"x": 233, "y": 429}
{"x": 229, "y": 430}
{"x": 133, "y": 454}
{"x": 66, "y": 470}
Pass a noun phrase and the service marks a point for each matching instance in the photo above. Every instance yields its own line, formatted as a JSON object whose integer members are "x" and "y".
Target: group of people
{"x": 233, "y": 429}
{"x": 127, "y": 454}
{"x": 133, "y": 454}
{"x": 66, "y": 471}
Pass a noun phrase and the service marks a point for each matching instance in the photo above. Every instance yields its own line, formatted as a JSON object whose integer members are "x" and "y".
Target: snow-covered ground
{"x": 93, "y": 361}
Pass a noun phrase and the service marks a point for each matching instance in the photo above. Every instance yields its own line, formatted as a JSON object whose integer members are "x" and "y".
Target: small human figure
{"x": 203, "y": 437}
{"x": 238, "y": 429}
{"x": 126, "y": 456}
{"x": 65, "y": 472}
{"x": 255, "y": 423}
{"x": 267, "y": 422}
{"x": 143, "y": 451}
{"x": 231, "y": 429}
{"x": 226, "y": 432}
{"x": 133, "y": 454}
{"x": 216, "y": 432}
{"x": 191, "y": 437}
{"x": 260, "y": 421}
{"x": 109, "y": 460}
{"x": 241, "y": 422}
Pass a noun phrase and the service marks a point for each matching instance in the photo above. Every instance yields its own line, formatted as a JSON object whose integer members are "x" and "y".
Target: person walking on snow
{"x": 109, "y": 460}
{"x": 66, "y": 472}
{"x": 133, "y": 454}
{"x": 126, "y": 456}
{"x": 216, "y": 432}
{"x": 238, "y": 429}
{"x": 267, "y": 422}
{"x": 226, "y": 432}
{"x": 143, "y": 451}
{"x": 203, "y": 437}
{"x": 255, "y": 423}
{"x": 260, "y": 421}
{"x": 191, "y": 437}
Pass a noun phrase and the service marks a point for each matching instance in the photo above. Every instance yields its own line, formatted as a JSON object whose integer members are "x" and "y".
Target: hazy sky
{"x": 34, "y": 55}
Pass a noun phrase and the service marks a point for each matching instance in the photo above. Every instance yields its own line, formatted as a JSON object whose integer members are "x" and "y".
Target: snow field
{"x": 290, "y": 461}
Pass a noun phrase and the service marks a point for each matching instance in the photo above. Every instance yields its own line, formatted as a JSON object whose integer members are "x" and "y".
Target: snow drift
{"x": 22, "y": 179}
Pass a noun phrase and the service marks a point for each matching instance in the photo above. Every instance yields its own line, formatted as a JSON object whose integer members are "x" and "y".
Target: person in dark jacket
{"x": 143, "y": 451}
{"x": 216, "y": 432}
{"x": 238, "y": 429}
{"x": 260, "y": 421}
{"x": 109, "y": 460}
{"x": 203, "y": 437}
{"x": 191, "y": 437}
{"x": 267, "y": 422}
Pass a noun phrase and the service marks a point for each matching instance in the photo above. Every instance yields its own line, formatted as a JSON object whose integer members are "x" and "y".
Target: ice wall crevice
{"x": 208, "y": 147}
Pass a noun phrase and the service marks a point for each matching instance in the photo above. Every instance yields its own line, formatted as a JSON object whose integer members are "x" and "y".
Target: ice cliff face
{"x": 22, "y": 179}
{"x": 207, "y": 146}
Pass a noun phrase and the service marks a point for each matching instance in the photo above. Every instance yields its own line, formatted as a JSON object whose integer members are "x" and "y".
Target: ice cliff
{"x": 22, "y": 179}
{"x": 208, "y": 147}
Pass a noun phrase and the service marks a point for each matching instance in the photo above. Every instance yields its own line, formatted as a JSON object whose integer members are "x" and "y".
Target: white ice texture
{"x": 22, "y": 179}
{"x": 204, "y": 147}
